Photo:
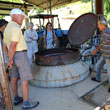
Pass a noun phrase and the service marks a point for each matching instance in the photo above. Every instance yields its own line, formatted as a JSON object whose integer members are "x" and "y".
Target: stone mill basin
{"x": 57, "y": 56}
{"x": 58, "y": 68}
{"x": 62, "y": 66}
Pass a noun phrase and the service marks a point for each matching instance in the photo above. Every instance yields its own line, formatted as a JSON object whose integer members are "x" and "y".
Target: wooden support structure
{"x": 26, "y": 13}
{"x": 99, "y": 6}
{"x": 4, "y": 82}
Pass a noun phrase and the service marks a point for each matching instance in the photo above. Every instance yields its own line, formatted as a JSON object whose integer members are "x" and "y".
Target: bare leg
{"x": 25, "y": 90}
{"x": 14, "y": 86}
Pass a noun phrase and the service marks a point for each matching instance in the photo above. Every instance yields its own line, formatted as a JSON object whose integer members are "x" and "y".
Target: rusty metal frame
{"x": 57, "y": 56}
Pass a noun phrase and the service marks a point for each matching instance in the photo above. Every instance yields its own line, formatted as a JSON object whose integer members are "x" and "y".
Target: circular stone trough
{"x": 58, "y": 67}
{"x": 59, "y": 76}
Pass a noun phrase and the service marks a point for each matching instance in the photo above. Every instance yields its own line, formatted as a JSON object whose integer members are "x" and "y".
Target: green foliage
{"x": 80, "y": 8}
{"x": 107, "y": 6}
{"x": 17, "y": 1}
{"x": 1, "y": 17}
{"x": 107, "y": 9}
{"x": 38, "y": 10}
{"x": 86, "y": 0}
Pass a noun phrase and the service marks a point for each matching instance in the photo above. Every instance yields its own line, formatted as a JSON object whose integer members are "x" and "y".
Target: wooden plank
{"x": 14, "y": 3}
{"x": 4, "y": 82}
{"x": 99, "y": 7}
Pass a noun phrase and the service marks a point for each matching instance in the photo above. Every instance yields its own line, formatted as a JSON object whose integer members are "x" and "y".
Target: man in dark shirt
{"x": 3, "y": 24}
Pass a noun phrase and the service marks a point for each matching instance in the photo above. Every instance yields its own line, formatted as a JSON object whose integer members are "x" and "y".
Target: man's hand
{"x": 10, "y": 63}
{"x": 45, "y": 46}
{"x": 32, "y": 38}
{"x": 94, "y": 52}
{"x": 53, "y": 42}
{"x": 11, "y": 53}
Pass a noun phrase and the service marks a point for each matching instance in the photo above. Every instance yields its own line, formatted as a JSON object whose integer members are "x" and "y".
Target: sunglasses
{"x": 49, "y": 25}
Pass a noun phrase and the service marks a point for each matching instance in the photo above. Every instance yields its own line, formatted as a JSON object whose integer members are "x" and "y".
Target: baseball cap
{"x": 3, "y": 22}
{"x": 17, "y": 11}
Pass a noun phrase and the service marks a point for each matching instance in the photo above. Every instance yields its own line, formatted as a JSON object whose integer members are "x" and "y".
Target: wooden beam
{"x": 13, "y": 3}
{"x": 99, "y": 7}
{"x": 26, "y": 20}
{"x": 4, "y": 82}
{"x": 7, "y": 9}
{"x": 1, "y": 14}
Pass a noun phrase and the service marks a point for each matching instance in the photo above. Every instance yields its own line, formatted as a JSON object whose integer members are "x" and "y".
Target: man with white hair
{"x": 31, "y": 38}
{"x": 18, "y": 60}
{"x": 105, "y": 50}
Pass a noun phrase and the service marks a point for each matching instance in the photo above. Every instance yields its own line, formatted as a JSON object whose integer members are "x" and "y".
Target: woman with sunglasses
{"x": 49, "y": 36}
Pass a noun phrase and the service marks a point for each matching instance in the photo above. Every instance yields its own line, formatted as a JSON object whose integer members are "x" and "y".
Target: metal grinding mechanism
{"x": 60, "y": 67}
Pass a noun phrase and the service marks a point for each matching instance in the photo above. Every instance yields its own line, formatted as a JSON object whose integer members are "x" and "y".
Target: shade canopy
{"x": 6, "y": 6}
{"x": 44, "y": 4}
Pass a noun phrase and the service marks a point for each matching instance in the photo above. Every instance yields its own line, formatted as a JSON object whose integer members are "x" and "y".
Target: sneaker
{"x": 18, "y": 101}
{"x": 109, "y": 90}
{"x": 94, "y": 79}
{"x": 31, "y": 105}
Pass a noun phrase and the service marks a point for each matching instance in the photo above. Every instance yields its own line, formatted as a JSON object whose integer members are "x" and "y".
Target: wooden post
{"x": 26, "y": 13}
{"x": 99, "y": 7}
{"x": 4, "y": 82}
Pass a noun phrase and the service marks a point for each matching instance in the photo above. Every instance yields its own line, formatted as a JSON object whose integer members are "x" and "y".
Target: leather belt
{"x": 21, "y": 51}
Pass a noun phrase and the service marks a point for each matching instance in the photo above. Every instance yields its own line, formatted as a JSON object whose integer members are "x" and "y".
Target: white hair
{"x": 102, "y": 19}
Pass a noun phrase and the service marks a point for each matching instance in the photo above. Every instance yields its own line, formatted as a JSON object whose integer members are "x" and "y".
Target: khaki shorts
{"x": 21, "y": 68}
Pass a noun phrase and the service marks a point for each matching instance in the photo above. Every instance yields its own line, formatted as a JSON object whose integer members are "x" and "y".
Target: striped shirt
{"x": 105, "y": 46}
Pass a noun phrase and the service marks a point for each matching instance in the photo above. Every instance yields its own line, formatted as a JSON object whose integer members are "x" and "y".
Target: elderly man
{"x": 31, "y": 38}
{"x": 105, "y": 49}
{"x": 18, "y": 59}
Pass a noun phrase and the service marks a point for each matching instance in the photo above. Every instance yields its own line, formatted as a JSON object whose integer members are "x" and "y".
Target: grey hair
{"x": 30, "y": 24}
{"x": 103, "y": 20}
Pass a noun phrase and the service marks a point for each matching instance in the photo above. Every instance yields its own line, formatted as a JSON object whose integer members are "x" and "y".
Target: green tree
{"x": 18, "y": 1}
{"x": 107, "y": 6}
{"x": 107, "y": 9}
{"x": 38, "y": 10}
{"x": 1, "y": 17}
{"x": 86, "y": 0}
